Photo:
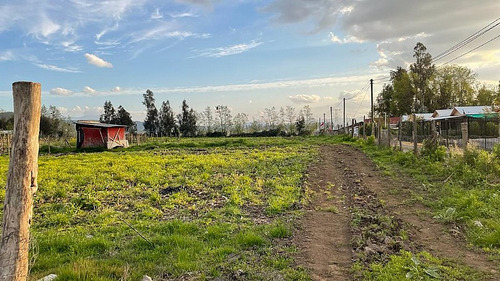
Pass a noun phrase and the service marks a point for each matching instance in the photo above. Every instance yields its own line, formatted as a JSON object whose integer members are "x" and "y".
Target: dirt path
{"x": 347, "y": 185}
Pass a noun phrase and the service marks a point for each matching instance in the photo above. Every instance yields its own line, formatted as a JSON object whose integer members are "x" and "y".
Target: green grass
{"x": 461, "y": 189}
{"x": 207, "y": 208}
{"x": 422, "y": 266}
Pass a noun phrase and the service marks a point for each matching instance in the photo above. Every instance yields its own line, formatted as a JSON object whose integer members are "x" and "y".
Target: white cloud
{"x": 228, "y": 51}
{"x": 45, "y": 27}
{"x": 56, "y": 68}
{"x": 7, "y": 56}
{"x": 88, "y": 90}
{"x": 305, "y": 98}
{"x": 396, "y": 26}
{"x": 116, "y": 89}
{"x": 351, "y": 39}
{"x": 183, "y": 15}
{"x": 350, "y": 95}
{"x": 85, "y": 112}
{"x": 165, "y": 30}
{"x": 61, "y": 92}
{"x": 156, "y": 15}
{"x": 97, "y": 61}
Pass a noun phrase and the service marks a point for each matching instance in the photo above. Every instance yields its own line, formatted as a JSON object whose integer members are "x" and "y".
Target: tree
{"x": 187, "y": 121}
{"x": 224, "y": 118}
{"x": 422, "y": 70}
{"x": 486, "y": 96}
{"x": 239, "y": 122}
{"x": 300, "y": 125}
{"x": 51, "y": 121}
{"x": 454, "y": 86}
{"x": 206, "y": 118}
{"x": 290, "y": 118}
{"x": 109, "y": 115}
{"x": 166, "y": 120}
{"x": 385, "y": 100}
{"x": 271, "y": 118}
{"x": 308, "y": 119}
{"x": 122, "y": 117}
{"x": 151, "y": 123}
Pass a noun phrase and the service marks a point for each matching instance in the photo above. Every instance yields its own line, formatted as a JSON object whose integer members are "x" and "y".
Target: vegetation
{"x": 120, "y": 117}
{"x": 425, "y": 87}
{"x": 461, "y": 188}
{"x": 211, "y": 207}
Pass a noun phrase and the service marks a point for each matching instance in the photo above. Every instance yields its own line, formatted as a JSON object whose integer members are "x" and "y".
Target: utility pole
{"x": 331, "y": 117}
{"x": 372, "y": 113}
{"x": 344, "y": 115}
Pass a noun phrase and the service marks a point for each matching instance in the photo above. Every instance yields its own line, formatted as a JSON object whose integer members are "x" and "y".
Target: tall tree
{"x": 239, "y": 122}
{"x": 422, "y": 70}
{"x": 167, "y": 120}
{"x": 123, "y": 118}
{"x": 271, "y": 118}
{"x": 385, "y": 100}
{"x": 151, "y": 123}
{"x": 208, "y": 119}
{"x": 224, "y": 118}
{"x": 187, "y": 121}
{"x": 454, "y": 86}
{"x": 109, "y": 115}
{"x": 404, "y": 92}
{"x": 290, "y": 118}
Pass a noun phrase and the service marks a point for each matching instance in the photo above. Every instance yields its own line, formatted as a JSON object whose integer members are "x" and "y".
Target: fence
{"x": 481, "y": 131}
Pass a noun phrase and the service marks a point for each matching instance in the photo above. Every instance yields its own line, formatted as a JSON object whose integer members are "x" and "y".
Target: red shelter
{"x": 95, "y": 134}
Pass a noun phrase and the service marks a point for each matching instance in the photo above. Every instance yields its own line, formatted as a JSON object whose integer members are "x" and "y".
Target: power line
{"x": 468, "y": 40}
{"x": 466, "y": 53}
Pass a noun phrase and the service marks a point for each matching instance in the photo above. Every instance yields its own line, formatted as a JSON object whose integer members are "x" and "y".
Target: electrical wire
{"x": 466, "y": 53}
{"x": 468, "y": 40}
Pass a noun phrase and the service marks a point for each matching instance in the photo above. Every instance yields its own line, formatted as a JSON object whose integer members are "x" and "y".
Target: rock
{"x": 146, "y": 278}
{"x": 478, "y": 224}
{"x": 49, "y": 277}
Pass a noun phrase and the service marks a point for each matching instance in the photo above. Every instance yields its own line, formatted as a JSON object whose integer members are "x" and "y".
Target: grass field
{"x": 205, "y": 207}
{"x": 223, "y": 207}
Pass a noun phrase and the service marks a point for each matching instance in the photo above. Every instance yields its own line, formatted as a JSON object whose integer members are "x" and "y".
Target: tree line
{"x": 425, "y": 87}
{"x": 52, "y": 123}
{"x": 219, "y": 121}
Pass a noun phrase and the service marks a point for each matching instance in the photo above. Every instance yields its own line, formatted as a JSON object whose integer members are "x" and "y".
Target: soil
{"x": 359, "y": 215}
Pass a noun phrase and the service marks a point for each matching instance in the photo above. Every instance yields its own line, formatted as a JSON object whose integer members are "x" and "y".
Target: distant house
{"x": 442, "y": 113}
{"x": 472, "y": 111}
{"x": 95, "y": 134}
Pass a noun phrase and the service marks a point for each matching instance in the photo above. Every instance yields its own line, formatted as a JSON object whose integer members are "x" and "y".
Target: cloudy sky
{"x": 246, "y": 54}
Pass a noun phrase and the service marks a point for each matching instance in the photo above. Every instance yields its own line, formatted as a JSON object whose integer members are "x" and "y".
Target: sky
{"x": 246, "y": 54}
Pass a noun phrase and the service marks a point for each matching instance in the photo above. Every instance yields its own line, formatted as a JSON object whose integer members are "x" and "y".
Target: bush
{"x": 433, "y": 151}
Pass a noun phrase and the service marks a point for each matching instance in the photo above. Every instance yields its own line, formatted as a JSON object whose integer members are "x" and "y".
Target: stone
{"x": 49, "y": 277}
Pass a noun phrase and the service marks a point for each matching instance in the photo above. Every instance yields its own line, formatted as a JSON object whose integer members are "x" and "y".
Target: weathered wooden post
{"x": 415, "y": 137}
{"x": 21, "y": 182}
{"x": 465, "y": 134}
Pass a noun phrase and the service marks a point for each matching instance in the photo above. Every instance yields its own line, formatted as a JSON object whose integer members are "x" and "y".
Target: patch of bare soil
{"x": 324, "y": 238}
{"x": 347, "y": 222}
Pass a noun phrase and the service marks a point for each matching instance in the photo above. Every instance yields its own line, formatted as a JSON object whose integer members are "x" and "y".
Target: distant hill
{"x": 6, "y": 115}
{"x": 140, "y": 126}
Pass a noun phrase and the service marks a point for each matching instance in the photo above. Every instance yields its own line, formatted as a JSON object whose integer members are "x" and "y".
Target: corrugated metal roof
{"x": 442, "y": 112}
{"x": 97, "y": 124}
{"x": 471, "y": 110}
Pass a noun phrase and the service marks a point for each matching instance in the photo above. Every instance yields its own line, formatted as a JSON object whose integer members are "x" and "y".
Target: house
{"x": 440, "y": 113}
{"x": 95, "y": 134}
{"x": 472, "y": 111}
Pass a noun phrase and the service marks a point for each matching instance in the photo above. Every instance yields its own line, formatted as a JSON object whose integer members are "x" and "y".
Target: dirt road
{"x": 359, "y": 215}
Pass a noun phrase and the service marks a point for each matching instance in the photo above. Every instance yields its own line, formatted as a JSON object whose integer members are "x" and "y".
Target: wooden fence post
{"x": 21, "y": 182}
{"x": 415, "y": 136}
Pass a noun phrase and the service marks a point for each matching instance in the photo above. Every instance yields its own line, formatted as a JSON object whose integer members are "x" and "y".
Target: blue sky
{"x": 246, "y": 54}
